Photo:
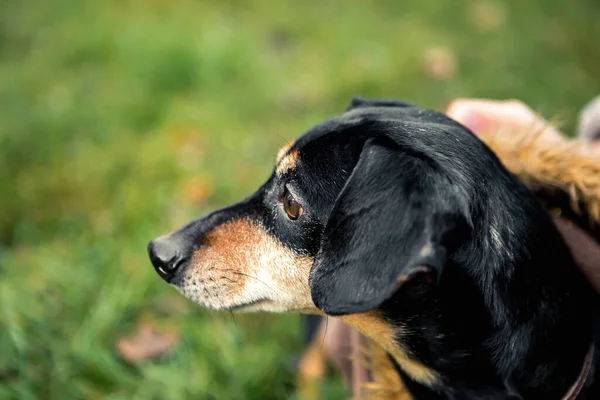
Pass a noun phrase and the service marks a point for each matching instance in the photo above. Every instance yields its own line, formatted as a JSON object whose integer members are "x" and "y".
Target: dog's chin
{"x": 252, "y": 306}
{"x": 271, "y": 306}
{"x": 213, "y": 300}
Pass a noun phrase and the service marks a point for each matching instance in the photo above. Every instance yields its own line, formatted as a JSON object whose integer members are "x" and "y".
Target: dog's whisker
{"x": 253, "y": 277}
{"x": 233, "y": 319}
{"x": 229, "y": 279}
{"x": 325, "y": 334}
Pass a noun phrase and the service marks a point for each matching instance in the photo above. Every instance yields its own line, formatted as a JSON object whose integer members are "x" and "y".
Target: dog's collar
{"x": 575, "y": 389}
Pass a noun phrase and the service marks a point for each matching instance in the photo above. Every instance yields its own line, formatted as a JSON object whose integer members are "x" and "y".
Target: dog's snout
{"x": 167, "y": 256}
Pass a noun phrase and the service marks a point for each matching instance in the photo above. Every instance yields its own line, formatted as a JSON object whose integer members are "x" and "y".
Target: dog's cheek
{"x": 289, "y": 273}
{"x": 282, "y": 273}
{"x": 241, "y": 263}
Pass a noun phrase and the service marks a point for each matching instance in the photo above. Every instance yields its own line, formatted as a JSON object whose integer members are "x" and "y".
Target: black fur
{"x": 408, "y": 212}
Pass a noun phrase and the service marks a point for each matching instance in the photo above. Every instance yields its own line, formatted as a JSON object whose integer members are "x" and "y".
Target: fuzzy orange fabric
{"x": 554, "y": 168}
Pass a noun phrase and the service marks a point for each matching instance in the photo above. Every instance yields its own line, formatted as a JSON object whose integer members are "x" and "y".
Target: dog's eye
{"x": 291, "y": 206}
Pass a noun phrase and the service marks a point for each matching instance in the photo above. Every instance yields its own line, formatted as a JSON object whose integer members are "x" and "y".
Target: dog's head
{"x": 399, "y": 221}
{"x": 357, "y": 206}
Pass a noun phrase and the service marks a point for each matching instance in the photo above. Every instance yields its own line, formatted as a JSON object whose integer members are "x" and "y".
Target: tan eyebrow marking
{"x": 283, "y": 151}
{"x": 288, "y": 162}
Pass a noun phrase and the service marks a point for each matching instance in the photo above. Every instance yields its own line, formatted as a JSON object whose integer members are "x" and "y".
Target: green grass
{"x": 119, "y": 120}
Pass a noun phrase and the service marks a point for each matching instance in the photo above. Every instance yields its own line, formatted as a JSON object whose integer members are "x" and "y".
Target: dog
{"x": 400, "y": 222}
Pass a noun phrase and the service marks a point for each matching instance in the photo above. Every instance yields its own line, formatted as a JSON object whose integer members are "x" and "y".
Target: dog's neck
{"x": 541, "y": 345}
{"x": 570, "y": 380}
{"x": 374, "y": 326}
{"x": 510, "y": 317}
{"x": 460, "y": 347}
{"x": 581, "y": 389}
{"x": 536, "y": 326}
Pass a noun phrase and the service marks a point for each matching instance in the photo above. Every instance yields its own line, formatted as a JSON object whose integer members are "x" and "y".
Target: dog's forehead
{"x": 365, "y": 121}
{"x": 336, "y": 142}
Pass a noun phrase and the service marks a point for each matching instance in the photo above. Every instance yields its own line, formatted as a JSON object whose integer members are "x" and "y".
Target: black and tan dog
{"x": 403, "y": 224}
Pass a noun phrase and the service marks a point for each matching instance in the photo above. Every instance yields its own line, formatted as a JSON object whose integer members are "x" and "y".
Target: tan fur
{"x": 376, "y": 328}
{"x": 287, "y": 162}
{"x": 283, "y": 151}
{"x": 241, "y": 263}
{"x": 385, "y": 382}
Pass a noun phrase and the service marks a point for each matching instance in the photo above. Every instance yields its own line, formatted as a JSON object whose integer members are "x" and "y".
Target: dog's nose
{"x": 166, "y": 256}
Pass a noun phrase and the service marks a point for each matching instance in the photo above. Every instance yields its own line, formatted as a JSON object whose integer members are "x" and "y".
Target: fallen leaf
{"x": 279, "y": 41}
{"x": 196, "y": 190}
{"x": 146, "y": 343}
{"x": 440, "y": 63}
{"x": 486, "y": 15}
{"x": 189, "y": 145}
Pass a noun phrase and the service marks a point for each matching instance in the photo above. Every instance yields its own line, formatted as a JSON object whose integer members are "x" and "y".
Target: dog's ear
{"x": 396, "y": 217}
{"x": 362, "y": 102}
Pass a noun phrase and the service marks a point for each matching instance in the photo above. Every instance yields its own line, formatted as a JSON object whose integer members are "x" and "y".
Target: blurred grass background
{"x": 120, "y": 120}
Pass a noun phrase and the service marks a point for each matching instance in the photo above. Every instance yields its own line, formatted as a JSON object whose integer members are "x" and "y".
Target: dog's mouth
{"x": 248, "y": 306}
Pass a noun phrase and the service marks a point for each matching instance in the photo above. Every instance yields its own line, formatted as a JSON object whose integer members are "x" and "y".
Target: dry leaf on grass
{"x": 440, "y": 63}
{"x": 487, "y": 15}
{"x": 196, "y": 190}
{"x": 146, "y": 343}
